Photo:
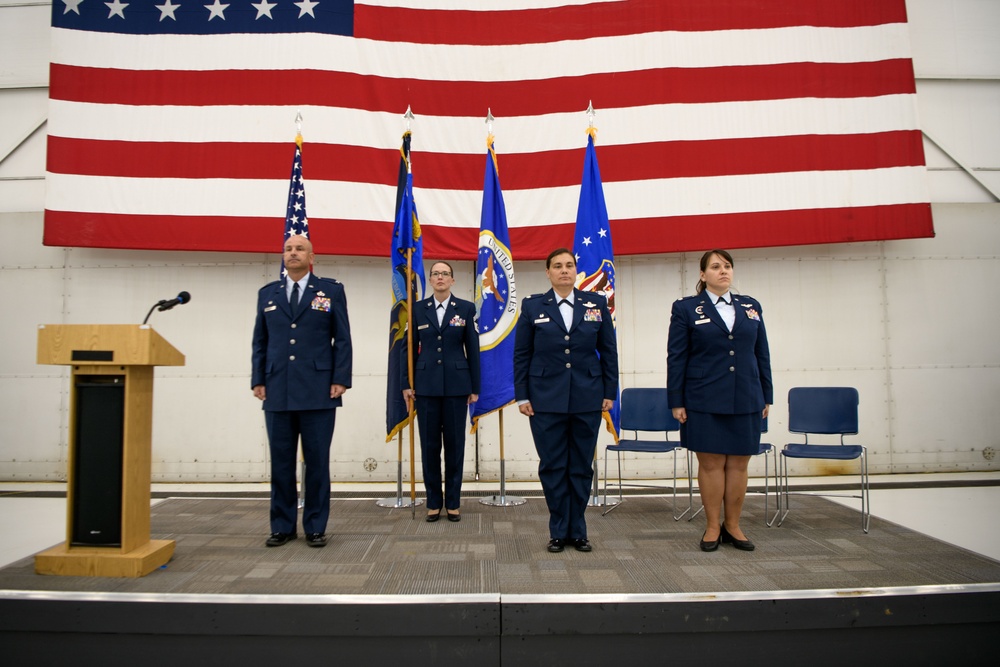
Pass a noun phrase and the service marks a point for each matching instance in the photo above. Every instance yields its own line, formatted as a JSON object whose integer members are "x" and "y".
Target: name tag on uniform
{"x": 705, "y": 321}
{"x": 542, "y": 320}
{"x": 269, "y": 309}
{"x": 422, "y": 326}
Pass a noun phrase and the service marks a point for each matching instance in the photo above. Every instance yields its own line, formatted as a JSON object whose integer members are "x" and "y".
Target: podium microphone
{"x": 167, "y": 304}
{"x": 183, "y": 297}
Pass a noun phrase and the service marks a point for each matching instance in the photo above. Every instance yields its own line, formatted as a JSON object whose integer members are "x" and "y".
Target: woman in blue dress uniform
{"x": 445, "y": 381}
{"x": 719, "y": 389}
{"x": 565, "y": 375}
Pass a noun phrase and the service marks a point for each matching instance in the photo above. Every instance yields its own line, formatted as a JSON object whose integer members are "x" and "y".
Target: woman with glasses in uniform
{"x": 445, "y": 382}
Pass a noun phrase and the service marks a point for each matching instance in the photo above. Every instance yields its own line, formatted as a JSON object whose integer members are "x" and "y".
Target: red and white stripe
{"x": 734, "y": 122}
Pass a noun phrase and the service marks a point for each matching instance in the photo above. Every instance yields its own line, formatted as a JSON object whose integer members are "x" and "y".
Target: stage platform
{"x": 389, "y": 587}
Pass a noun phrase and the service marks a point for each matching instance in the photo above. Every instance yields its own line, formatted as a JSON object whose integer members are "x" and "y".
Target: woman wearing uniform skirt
{"x": 719, "y": 387}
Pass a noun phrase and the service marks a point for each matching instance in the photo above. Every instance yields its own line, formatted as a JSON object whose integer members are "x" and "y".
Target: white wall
{"x": 910, "y": 323}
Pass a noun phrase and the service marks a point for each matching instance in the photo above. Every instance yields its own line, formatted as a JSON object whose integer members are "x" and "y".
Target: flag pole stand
{"x": 502, "y": 500}
{"x": 399, "y": 502}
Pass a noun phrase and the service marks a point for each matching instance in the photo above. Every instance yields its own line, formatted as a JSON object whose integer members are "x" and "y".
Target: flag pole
{"x": 395, "y": 426}
{"x": 409, "y": 340}
{"x": 596, "y": 499}
{"x": 399, "y": 470}
{"x": 409, "y": 370}
{"x": 295, "y": 227}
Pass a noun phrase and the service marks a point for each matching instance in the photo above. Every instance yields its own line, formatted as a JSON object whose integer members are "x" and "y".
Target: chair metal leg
{"x": 690, "y": 462}
{"x": 605, "y": 473}
{"x": 690, "y": 507}
{"x": 766, "y": 490}
{"x": 783, "y": 495}
{"x": 302, "y": 484}
{"x": 610, "y": 506}
{"x": 865, "y": 494}
{"x": 866, "y": 508}
{"x": 767, "y": 480}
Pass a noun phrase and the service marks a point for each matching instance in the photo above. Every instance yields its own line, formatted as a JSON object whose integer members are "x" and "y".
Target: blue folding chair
{"x": 827, "y": 411}
{"x": 647, "y": 410}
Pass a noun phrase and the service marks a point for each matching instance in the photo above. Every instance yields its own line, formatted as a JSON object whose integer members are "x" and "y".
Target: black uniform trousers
{"x": 565, "y": 444}
{"x": 283, "y": 431}
{"x": 441, "y": 420}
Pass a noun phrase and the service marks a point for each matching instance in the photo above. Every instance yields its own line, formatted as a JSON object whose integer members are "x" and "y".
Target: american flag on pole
{"x": 763, "y": 122}
{"x": 296, "y": 220}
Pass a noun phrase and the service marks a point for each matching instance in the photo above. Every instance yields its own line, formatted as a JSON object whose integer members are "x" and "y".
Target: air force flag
{"x": 496, "y": 299}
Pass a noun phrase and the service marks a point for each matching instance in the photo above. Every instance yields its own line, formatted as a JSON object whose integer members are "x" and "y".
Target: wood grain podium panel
{"x": 131, "y": 345}
{"x": 130, "y": 351}
{"x": 104, "y": 561}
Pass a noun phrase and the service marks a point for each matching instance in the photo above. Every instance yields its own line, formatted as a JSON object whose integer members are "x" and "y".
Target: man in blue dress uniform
{"x": 565, "y": 375}
{"x": 301, "y": 367}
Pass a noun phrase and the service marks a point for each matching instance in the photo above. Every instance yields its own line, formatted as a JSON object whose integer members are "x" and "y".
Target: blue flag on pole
{"x": 405, "y": 235}
{"x": 496, "y": 299}
{"x": 296, "y": 221}
{"x": 595, "y": 257}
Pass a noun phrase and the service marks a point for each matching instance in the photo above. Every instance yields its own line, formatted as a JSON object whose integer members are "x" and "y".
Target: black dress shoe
{"x": 555, "y": 545}
{"x": 316, "y": 539}
{"x": 709, "y": 546}
{"x": 277, "y": 539}
{"x": 454, "y": 516}
{"x": 582, "y": 545}
{"x": 431, "y": 518}
{"x": 742, "y": 545}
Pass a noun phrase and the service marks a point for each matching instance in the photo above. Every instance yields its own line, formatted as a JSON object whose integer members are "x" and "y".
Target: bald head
{"x": 299, "y": 240}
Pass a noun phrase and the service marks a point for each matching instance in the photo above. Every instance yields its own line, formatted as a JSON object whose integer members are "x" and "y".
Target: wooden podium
{"x": 110, "y": 438}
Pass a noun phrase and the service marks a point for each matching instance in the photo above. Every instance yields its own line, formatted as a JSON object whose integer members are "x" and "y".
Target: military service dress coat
{"x": 566, "y": 373}
{"x": 722, "y": 378}
{"x": 297, "y": 358}
{"x": 446, "y": 362}
{"x": 562, "y": 370}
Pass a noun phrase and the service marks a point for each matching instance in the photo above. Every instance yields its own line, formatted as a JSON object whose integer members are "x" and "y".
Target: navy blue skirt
{"x": 722, "y": 434}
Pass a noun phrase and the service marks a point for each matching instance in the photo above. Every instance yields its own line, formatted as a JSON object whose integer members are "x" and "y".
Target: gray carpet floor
{"x": 638, "y": 548}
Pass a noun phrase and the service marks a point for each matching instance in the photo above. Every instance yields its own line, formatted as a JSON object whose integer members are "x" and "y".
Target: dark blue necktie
{"x": 295, "y": 299}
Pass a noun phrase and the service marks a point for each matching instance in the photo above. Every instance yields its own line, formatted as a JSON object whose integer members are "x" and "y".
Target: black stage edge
{"x": 932, "y": 625}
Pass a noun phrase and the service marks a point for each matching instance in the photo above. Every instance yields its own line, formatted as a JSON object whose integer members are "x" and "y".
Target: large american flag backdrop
{"x": 735, "y": 123}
